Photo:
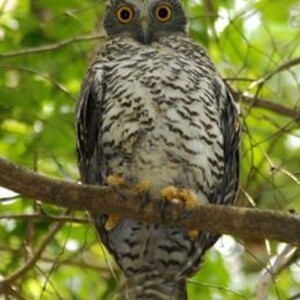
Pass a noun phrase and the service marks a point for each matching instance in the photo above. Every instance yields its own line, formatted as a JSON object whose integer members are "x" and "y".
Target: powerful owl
{"x": 154, "y": 115}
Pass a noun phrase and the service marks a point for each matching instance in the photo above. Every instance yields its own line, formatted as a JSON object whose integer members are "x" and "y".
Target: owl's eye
{"x": 163, "y": 13}
{"x": 124, "y": 14}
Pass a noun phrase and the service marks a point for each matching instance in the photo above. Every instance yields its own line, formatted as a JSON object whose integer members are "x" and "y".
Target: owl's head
{"x": 144, "y": 20}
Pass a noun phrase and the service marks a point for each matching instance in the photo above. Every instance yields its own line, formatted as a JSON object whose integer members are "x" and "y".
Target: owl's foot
{"x": 187, "y": 197}
{"x": 112, "y": 222}
{"x": 143, "y": 188}
{"x": 173, "y": 194}
{"x": 114, "y": 181}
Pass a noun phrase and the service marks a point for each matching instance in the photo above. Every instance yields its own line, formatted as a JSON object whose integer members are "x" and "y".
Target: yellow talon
{"x": 193, "y": 233}
{"x": 187, "y": 197}
{"x": 116, "y": 180}
{"x": 169, "y": 193}
{"x": 143, "y": 186}
{"x": 111, "y": 222}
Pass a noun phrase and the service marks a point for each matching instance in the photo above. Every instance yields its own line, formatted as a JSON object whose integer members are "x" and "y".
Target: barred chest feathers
{"x": 163, "y": 123}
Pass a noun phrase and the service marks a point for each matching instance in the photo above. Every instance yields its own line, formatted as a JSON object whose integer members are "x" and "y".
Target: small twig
{"x": 274, "y": 270}
{"x": 32, "y": 261}
{"x": 38, "y": 216}
{"x": 9, "y": 291}
{"x": 80, "y": 264}
{"x": 220, "y": 288}
{"x": 295, "y": 297}
{"x": 41, "y": 75}
{"x": 283, "y": 67}
{"x": 259, "y": 83}
{"x": 266, "y": 104}
{"x": 52, "y": 47}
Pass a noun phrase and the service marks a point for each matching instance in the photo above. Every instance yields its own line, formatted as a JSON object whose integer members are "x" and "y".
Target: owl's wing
{"x": 92, "y": 165}
{"x": 88, "y": 120}
{"x": 231, "y": 130}
{"x": 226, "y": 191}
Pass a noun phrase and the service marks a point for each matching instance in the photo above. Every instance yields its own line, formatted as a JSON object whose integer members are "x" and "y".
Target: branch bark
{"x": 237, "y": 221}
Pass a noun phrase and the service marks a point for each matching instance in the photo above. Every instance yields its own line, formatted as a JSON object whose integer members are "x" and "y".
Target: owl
{"x": 154, "y": 115}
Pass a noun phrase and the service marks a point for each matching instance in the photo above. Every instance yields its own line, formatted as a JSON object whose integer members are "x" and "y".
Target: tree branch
{"x": 44, "y": 216}
{"x": 259, "y": 102}
{"x": 242, "y": 222}
{"x": 276, "y": 267}
{"x": 51, "y": 47}
{"x": 283, "y": 67}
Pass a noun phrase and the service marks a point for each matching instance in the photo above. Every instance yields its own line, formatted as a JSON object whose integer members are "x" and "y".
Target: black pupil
{"x": 125, "y": 14}
{"x": 163, "y": 13}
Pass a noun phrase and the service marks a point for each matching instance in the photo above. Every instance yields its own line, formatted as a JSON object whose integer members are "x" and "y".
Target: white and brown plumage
{"x": 153, "y": 108}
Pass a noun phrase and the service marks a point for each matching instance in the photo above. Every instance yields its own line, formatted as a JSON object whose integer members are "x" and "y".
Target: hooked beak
{"x": 145, "y": 30}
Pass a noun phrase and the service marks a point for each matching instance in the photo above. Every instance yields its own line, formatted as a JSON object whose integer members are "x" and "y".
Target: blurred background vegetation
{"x": 45, "y": 47}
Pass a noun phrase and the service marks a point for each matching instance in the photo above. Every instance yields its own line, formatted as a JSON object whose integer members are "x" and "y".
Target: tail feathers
{"x": 158, "y": 289}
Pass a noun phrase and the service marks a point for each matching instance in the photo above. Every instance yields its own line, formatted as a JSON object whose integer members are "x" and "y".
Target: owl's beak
{"x": 146, "y": 39}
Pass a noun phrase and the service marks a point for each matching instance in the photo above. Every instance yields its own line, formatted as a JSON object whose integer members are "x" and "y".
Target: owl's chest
{"x": 160, "y": 111}
{"x": 154, "y": 93}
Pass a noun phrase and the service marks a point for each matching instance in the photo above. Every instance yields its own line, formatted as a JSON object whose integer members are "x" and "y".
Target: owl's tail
{"x": 158, "y": 289}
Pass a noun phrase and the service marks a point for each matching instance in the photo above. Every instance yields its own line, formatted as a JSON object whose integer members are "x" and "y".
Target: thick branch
{"x": 242, "y": 222}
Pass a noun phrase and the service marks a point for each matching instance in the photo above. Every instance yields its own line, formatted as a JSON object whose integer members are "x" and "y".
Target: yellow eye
{"x": 163, "y": 13}
{"x": 124, "y": 14}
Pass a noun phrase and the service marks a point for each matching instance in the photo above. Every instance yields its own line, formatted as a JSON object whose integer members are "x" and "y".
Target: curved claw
{"x": 187, "y": 197}
{"x": 114, "y": 181}
{"x": 143, "y": 188}
{"x": 112, "y": 222}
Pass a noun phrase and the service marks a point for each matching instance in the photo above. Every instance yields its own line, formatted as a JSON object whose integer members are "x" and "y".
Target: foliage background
{"x": 256, "y": 47}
